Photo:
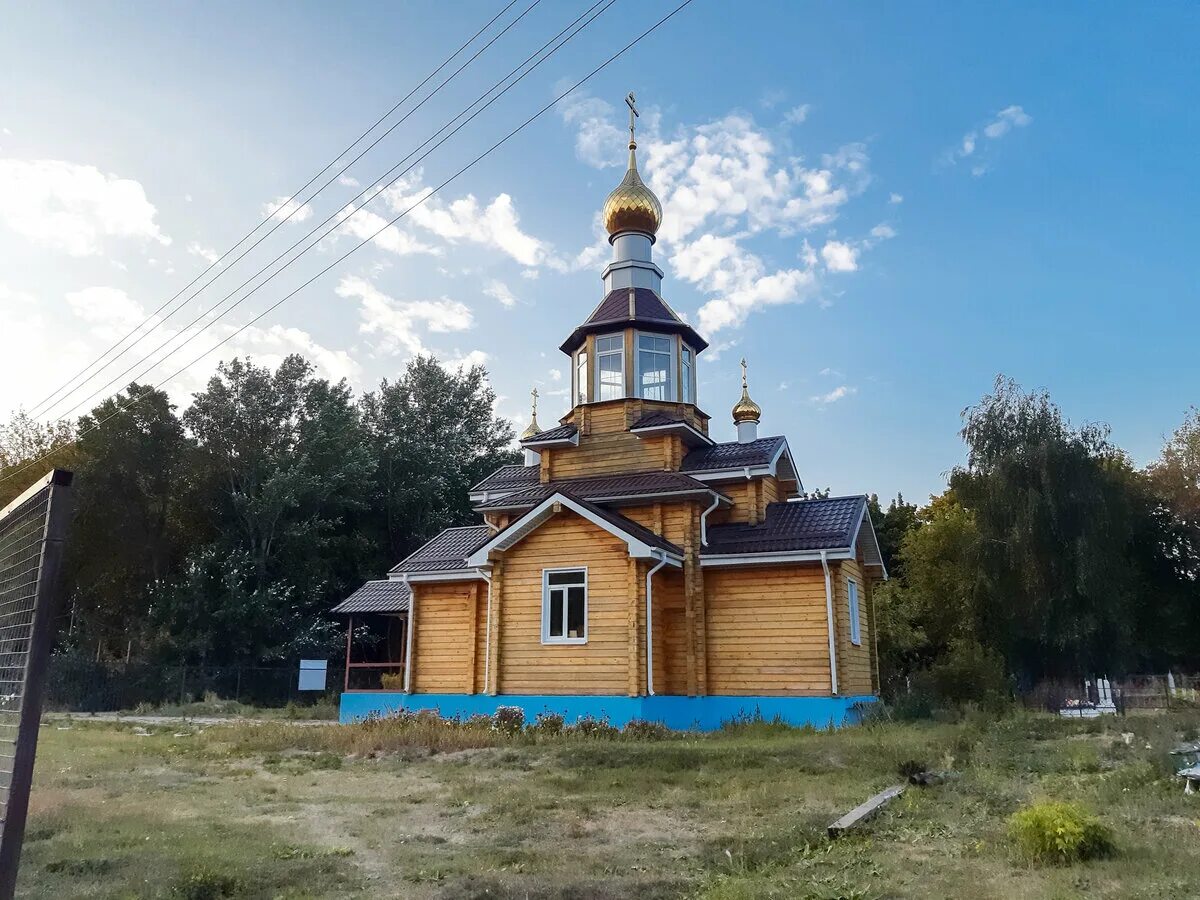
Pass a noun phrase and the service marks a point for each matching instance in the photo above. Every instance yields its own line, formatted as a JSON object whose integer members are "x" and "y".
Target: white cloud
{"x": 838, "y": 393}
{"x": 465, "y": 360}
{"x": 771, "y": 98}
{"x": 365, "y": 225}
{"x": 895, "y": 198}
{"x": 1005, "y": 121}
{"x": 498, "y": 290}
{"x": 495, "y": 225}
{"x": 883, "y": 232}
{"x": 72, "y": 207}
{"x": 397, "y": 323}
{"x": 797, "y": 114}
{"x": 348, "y": 181}
{"x": 828, "y": 371}
{"x": 598, "y": 140}
{"x": 283, "y": 208}
{"x": 1008, "y": 118}
{"x": 207, "y": 254}
{"x": 839, "y": 256}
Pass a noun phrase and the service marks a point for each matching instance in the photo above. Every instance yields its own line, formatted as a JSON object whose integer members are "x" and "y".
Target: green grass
{"x": 429, "y": 810}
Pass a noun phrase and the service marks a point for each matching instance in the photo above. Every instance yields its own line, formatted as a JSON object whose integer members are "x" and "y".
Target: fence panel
{"x": 32, "y": 530}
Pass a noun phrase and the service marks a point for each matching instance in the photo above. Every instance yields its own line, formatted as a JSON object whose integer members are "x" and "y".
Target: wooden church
{"x": 633, "y": 567}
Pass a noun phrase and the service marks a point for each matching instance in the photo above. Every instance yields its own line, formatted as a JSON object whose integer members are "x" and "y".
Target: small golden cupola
{"x": 531, "y": 456}
{"x": 746, "y": 413}
{"x": 632, "y": 206}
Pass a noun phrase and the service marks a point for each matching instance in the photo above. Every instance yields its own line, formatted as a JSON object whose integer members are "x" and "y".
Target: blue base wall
{"x": 681, "y": 713}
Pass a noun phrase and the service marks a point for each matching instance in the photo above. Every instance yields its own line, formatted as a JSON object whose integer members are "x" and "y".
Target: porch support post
{"x": 349, "y": 635}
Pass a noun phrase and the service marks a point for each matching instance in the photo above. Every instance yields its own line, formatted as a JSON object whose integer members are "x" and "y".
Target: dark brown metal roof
{"x": 649, "y": 311}
{"x": 657, "y": 419}
{"x": 558, "y": 433}
{"x": 447, "y": 552}
{"x": 377, "y": 597}
{"x": 509, "y": 478}
{"x": 602, "y": 488}
{"x": 801, "y": 525}
{"x": 733, "y": 455}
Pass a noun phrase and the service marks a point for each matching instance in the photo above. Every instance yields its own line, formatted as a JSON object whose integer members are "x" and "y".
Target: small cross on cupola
{"x": 746, "y": 413}
{"x": 531, "y": 456}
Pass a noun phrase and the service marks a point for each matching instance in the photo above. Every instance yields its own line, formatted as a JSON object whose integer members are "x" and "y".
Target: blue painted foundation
{"x": 681, "y": 713}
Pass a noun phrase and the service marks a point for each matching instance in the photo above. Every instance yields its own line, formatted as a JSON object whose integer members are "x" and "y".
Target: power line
{"x": 290, "y": 200}
{"x": 381, "y": 186}
{"x": 135, "y": 400}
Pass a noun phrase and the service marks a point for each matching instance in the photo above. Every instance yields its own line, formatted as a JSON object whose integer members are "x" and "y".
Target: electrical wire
{"x": 135, "y": 400}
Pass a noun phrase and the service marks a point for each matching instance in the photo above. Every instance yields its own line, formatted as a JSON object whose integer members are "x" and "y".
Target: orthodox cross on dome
{"x": 631, "y": 102}
{"x": 533, "y": 395}
{"x": 744, "y": 385}
{"x": 533, "y": 428}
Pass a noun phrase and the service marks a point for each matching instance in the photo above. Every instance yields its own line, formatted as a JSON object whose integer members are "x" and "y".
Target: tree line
{"x": 224, "y": 533}
{"x": 1049, "y": 555}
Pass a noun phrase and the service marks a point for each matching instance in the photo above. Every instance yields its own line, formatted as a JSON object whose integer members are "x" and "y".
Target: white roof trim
{"x": 634, "y": 498}
{"x": 872, "y": 555}
{"x": 455, "y": 575}
{"x": 787, "y": 556}
{"x": 537, "y": 516}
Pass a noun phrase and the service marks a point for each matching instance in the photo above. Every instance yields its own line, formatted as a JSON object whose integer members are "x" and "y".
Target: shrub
{"x": 548, "y": 723}
{"x": 1061, "y": 833}
{"x": 644, "y": 730}
{"x": 591, "y": 727}
{"x": 392, "y": 681}
{"x": 509, "y": 719}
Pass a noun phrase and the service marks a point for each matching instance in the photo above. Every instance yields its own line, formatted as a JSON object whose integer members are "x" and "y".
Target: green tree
{"x": 130, "y": 525}
{"x": 1067, "y": 537}
{"x": 891, "y": 526}
{"x": 285, "y": 469}
{"x": 434, "y": 434}
{"x": 29, "y": 449}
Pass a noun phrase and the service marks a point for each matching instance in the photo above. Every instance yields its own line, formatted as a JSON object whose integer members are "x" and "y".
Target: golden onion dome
{"x": 632, "y": 206}
{"x": 532, "y": 428}
{"x": 746, "y": 410}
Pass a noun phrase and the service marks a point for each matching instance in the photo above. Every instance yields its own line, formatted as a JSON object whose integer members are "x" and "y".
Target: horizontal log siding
{"x": 442, "y": 638}
{"x": 766, "y": 630}
{"x": 854, "y": 662}
{"x": 670, "y": 633}
{"x": 668, "y": 520}
{"x": 527, "y": 666}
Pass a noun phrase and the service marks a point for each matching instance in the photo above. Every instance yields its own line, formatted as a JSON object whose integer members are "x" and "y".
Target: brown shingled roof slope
{"x": 648, "y": 307}
{"x": 733, "y": 455}
{"x": 558, "y": 433}
{"x": 827, "y": 524}
{"x": 447, "y": 552}
{"x": 602, "y": 487}
{"x": 377, "y": 597}
{"x": 509, "y": 478}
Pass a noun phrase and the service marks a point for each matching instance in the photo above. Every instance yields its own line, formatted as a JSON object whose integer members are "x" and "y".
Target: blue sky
{"x": 881, "y": 206}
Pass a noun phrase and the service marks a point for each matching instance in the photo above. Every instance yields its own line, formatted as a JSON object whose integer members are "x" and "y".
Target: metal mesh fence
{"x": 31, "y": 533}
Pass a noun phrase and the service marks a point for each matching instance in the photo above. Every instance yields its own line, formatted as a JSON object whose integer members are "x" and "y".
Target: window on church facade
{"x": 687, "y": 362}
{"x": 610, "y": 363}
{"x": 581, "y": 377}
{"x": 654, "y": 367}
{"x": 564, "y": 606}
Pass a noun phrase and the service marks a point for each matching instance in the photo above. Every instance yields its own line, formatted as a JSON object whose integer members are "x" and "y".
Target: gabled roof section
{"x": 633, "y": 306}
{"x": 653, "y": 423}
{"x": 383, "y": 596}
{"x": 799, "y": 529}
{"x": 558, "y": 436}
{"x": 641, "y": 541}
{"x": 764, "y": 456}
{"x": 447, "y": 552}
{"x": 508, "y": 478}
{"x": 633, "y": 487}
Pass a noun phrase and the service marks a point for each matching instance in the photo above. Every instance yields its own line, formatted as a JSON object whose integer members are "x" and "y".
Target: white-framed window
{"x": 610, "y": 366}
{"x": 581, "y": 377}
{"x": 564, "y": 606}
{"x": 687, "y": 362}
{"x": 852, "y": 604}
{"x": 654, "y": 363}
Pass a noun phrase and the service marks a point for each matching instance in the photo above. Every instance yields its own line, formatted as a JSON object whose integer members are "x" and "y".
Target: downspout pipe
{"x": 650, "y": 622}
{"x": 487, "y": 637}
{"x": 408, "y": 640}
{"x": 833, "y": 679}
{"x": 704, "y": 519}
